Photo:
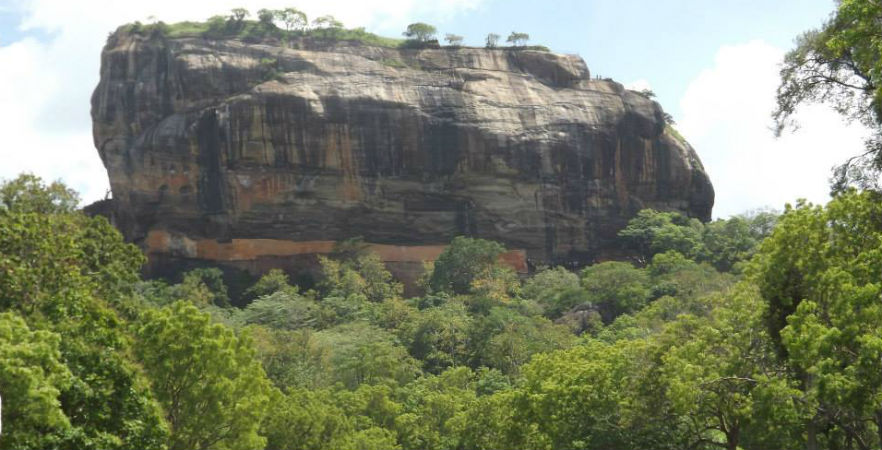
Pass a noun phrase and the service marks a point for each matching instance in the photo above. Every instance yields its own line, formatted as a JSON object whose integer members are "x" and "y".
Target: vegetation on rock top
{"x": 295, "y": 26}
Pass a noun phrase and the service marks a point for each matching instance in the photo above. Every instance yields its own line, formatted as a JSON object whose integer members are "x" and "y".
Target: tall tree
{"x": 492, "y": 40}
{"x": 267, "y": 17}
{"x": 304, "y": 419}
{"x": 28, "y": 194}
{"x": 32, "y": 377}
{"x": 723, "y": 379}
{"x": 327, "y": 22}
{"x": 454, "y": 40}
{"x": 840, "y": 64}
{"x": 420, "y": 31}
{"x": 819, "y": 274}
{"x": 518, "y": 39}
{"x": 363, "y": 354}
{"x": 213, "y": 390}
{"x": 462, "y": 262}
{"x": 652, "y": 232}
{"x": 615, "y": 288}
{"x": 70, "y": 274}
{"x": 239, "y": 14}
{"x": 293, "y": 18}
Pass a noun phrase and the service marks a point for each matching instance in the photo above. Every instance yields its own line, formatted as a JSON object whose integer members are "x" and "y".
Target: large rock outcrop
{"x": 229, "y": 151}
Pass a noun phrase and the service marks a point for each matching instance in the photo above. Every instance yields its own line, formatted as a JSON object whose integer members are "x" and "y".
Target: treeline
{"x": 739, "y": 334}
{"x": 289, "y": 24}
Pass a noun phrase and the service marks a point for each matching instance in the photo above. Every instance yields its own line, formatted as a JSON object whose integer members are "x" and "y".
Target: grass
{"x": 186, "y": 29}
{"x": 357, "y": 34}
{"x": 676, "y": 134}
{"x": 398, "y": 64}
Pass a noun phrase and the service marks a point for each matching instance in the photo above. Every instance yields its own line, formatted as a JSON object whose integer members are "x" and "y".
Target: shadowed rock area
{"x": 253, "y": 145}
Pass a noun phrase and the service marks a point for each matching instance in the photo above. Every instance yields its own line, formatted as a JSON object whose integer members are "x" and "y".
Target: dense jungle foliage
{"x": 759, "y": 331}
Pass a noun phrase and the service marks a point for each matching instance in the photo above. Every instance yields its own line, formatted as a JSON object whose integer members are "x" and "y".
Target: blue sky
{"x": 712, "y": 64}
{"x": 665, "y": 42}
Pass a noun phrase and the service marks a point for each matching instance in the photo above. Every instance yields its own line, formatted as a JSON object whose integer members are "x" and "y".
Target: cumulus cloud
{"x": 639, "y": 85}
{"x": 726, "y": 116}
{"x": 46, "y": 83}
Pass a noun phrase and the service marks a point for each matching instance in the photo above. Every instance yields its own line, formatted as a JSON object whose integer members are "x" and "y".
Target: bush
{"x": 464, "y": 261}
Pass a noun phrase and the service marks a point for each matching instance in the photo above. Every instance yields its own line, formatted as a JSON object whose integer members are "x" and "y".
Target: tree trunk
{"x": 811, "y": 441}
{"x": 732, "y": 439}
{"x": 879, "y": 425}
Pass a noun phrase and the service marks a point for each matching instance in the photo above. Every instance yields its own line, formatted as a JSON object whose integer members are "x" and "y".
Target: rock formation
{"x": 257, "y": 153}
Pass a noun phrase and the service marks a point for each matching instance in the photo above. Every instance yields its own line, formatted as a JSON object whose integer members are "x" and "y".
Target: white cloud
{"x": 639, "y": 85}
{"x": 45, "y": 85}
{"x": 29, "y": 91}
{"x": 727, "y": 118}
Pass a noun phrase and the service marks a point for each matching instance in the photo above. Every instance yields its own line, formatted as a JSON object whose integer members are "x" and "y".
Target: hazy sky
{"x": 713, "y": 65}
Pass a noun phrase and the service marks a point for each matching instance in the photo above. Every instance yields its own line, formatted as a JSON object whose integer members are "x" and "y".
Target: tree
{"x": 293, "y": 18}
{"x": 304, "y": 419}
{"x": 28, "y": 194}
{"x": 723, "y": 379}
{"x": 271, "y": 282}
{"x": 615, "y": 288}
{"x": 281, "y": 310}
{"x": 761, "y": 222}
{"x": 71, "y": 275}
{"x": 359, "y": 353}
{"x": 727, "y": 242}
{"x": 212, "y": 388}
{"x": 239, "y": 14}
{"x": 652, "y": 232}
{"x": 439, "y": 337}
{"x": 219, "y": 26}
{"x": 267, "y": 17}
{"x": 494, "y": 422}
{"x": 327, "y": 22}
{"x": 374, "y": 438}
{"x": 518, "y": 39}
{"x": 32, "y": 377}
{"x": 840, "y": 64}
{"x": 291, "y": 359}
{"x": 522, "y": 337}
{"x": 211, "y": 280}
{"x": 462, "y": 262}
{"x": 557, "y": 290}
{"x": 577, "y": 398}
{"x": 420, "y": 31}
{"x": 492, "y": 40}
{"x": 362, "y": 273}
{"x": 454, "y": 40}
{"x": 675, "y": 275}
{"x": 429, "y": 405}
{"x": 819, "y": 274}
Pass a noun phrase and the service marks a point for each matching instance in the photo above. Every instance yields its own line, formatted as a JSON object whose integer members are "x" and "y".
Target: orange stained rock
{"x": 159, "y": 242}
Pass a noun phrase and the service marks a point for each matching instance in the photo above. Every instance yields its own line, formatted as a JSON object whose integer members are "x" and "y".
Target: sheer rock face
{"x": 236, "y": 143}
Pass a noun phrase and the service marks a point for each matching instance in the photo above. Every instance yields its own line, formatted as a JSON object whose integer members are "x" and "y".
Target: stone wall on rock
{"x": 240, "y": 143}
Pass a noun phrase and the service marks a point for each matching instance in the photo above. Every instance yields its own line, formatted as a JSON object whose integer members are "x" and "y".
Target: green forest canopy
{"x": 748, "y": 332}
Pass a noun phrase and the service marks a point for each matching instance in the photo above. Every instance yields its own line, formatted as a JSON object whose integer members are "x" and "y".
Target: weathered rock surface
{"x": 258, "y": 146}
